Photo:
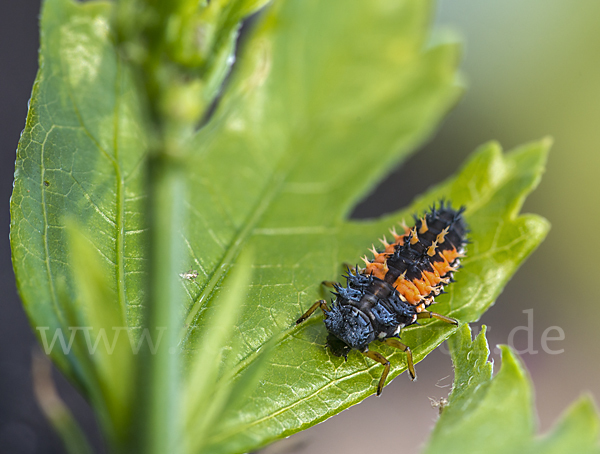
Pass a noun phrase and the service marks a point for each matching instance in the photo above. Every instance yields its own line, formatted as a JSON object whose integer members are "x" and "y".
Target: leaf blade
{"x": 495, "y": 415}
{"x": 71, "y": 162}
{"x": 325, "y": 385}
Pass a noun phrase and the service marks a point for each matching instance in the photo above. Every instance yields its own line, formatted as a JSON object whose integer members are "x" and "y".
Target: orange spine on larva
{"x": 421, "y": 260}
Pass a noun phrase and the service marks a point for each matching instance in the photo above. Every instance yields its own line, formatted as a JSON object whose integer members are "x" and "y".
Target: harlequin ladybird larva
{"x": 395, "y": 288}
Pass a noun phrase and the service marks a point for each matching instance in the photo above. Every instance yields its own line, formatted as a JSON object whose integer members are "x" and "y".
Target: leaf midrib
{"x": 120, "y": 221}
{"x": 243, "y": 427}
{"x": 120, "y": 190}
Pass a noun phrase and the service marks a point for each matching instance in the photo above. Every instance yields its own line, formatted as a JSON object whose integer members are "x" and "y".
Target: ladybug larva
{"x": 394, "y": 289}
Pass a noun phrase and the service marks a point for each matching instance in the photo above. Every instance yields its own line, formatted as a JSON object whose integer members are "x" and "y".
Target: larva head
{"x": 350, "y": 326}
{"x": 337, "y": 347}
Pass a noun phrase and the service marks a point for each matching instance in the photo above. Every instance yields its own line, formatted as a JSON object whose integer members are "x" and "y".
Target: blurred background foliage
{"x": 532, "y": 69}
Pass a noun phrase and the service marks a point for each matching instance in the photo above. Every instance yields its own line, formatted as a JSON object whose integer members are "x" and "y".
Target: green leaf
{"x": 577, "y": 431}
{"x": 104, "y": 345}
{"x": 308, "y": 382}
{"x": 495, "y": 415}
{"x": 80, "y": 158}
{"x": 326, "y": 99}
{"x": 207, "y": 397}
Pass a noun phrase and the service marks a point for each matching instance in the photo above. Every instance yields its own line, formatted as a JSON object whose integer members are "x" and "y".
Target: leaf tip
{"x": 512, "y": 363}
{"x": 546, "y": 142}
{"x": 480, "y": 339}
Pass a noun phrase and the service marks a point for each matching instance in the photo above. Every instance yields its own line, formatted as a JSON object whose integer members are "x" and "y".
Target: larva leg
{"x": 386, "y": 370}
{"x": 319, "y": 304}
{"x": 393, "y": 342}
{"x": 347, "y": 266}
{"x": 329, "y": 284}
{"x": 427, "y": 314}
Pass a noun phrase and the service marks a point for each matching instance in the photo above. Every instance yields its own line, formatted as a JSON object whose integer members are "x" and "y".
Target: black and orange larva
{"x": 395, "y": 288}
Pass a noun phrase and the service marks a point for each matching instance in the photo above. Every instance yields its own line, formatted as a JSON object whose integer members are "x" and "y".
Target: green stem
{"x": 166, "y": 189}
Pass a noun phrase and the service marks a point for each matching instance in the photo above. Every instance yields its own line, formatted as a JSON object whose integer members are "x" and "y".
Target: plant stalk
{"x": 166, "y": 191}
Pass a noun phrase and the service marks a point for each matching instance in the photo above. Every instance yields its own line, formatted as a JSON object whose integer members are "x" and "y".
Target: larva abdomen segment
{"x": 423, "y": 259}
